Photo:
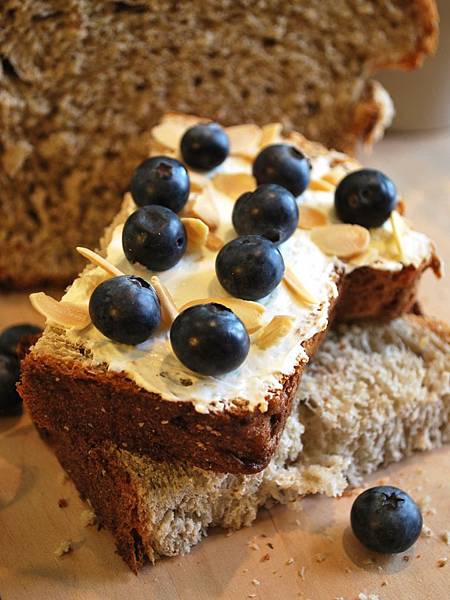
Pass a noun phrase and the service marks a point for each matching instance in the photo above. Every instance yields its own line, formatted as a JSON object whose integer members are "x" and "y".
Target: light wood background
{"x": 314, "y": 554}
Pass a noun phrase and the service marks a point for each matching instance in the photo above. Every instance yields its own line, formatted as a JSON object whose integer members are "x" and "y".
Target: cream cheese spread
{"x": 154, "y": 367}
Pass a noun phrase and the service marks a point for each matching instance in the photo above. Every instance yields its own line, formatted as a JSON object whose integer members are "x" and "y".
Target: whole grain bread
{"x": 82, "y": 82}
{"x": 394, "y": 399}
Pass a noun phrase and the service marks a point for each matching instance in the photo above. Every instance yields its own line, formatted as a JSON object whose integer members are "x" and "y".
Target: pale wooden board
{"x": 32, "y": 525}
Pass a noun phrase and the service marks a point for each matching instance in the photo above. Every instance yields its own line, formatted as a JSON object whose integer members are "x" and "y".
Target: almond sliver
{"x": 341, "y": 239}
{"x": 335, "y": 175}
{"x": 197, "y": 180}
{"x": 169, "y": 133}
{"x": 203, "y": 207}
{"x": 398, "y": 229}
{"x": 294, "y": 284}
{"x": 244, "y": 139}
{"x": 214, "y": 242}
{"x": 197, "y": 232}
{"x": 278, "y": 327}
{"x": 311, "y": 217}
{"x": 321, "y": 185}
{"x": 234, "y": 184}
{"x": 249, "y": 312}
{"x": 365, "y": 258}
{"x": 99, "y": 261}
{"x": 168, "y": 309}
{"x": 271, "y": 134}
{"x": 63, "y": 313}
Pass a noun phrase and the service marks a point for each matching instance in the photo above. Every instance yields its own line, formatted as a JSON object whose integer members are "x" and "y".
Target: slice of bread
{"x": 78, "y": 95}
{"x": 144, "y": 399}
{"x": 394, "y": 399}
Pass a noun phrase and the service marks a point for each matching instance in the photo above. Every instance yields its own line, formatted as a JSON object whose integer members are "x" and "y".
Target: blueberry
{"x": 11, "y": 337}
{"x": 125, "y": 309}
{"x": 205, "y": 146}
{"x": 155, "y": 237}
{"x": 249, "y": 267}
{"x": 209, "y": 339}
{"x": 10, "y": 401}
{"x": 161, "y": 180}
{"x": 270, "y": 211}
{"x": 284, "y": 165}
{"x": 365, "y": 197}
{"x": 386, "y": 519}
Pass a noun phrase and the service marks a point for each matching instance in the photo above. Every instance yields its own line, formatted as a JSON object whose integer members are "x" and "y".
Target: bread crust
{"x": 101, "y": 405}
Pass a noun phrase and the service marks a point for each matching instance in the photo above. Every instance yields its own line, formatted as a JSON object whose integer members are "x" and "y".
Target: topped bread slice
{"x": 142, "y": 397}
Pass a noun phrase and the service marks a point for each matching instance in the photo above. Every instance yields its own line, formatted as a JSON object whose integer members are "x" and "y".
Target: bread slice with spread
{"x": 142, "y": 396}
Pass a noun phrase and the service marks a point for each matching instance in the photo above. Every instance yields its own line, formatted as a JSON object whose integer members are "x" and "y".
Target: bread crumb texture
{"x": 80, "y": 92}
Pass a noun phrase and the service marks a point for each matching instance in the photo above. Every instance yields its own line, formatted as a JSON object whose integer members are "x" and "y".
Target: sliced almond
{"x": 214, "y": 242}
{"x": 203, "y": 207}
{"x": 198, "y": 181}
{"x": 197, "y": 232}
{"x": 401, "y": 206}
{"x": 311, "y": 217}
{"x": 99, "y": 261}
{"x": 365, "y": 258}
{"x": 63, "y": 313}
{"x": 171, "y": 129}
{"x": 321, "y": 185}
{"x": 271, "y": 134}
{"x": 169, "y": 311}
{"x": 294, "y": 284}
{"x": 278, "y": 327}
{"x": 234, "y": 184}
{"x": 249, "y": 312}
{"x": 244, "y": 139}
{"x": 341, "y": 239}
{"x": 335, "y": 175}
{"x": 398, "y": 229}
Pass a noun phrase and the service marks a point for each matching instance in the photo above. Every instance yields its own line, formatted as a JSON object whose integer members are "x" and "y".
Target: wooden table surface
{"x": 314, "y": 554}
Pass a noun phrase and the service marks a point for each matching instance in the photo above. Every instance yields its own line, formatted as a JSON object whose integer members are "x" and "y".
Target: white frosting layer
{"x": 154, "y": 367}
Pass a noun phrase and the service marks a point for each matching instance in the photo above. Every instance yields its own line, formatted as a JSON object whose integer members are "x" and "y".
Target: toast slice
{"x": 143, "y": 399}
{"x": 393, "y": 400}
{"x": 74, "y": 116}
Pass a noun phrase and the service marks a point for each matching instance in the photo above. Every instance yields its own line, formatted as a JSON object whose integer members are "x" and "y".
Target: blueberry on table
{"x": 11, "y": 337}
{"x": 284, "y": 165}
{"x": 386, "y": 519}
{"x": 270, "y": 211}
{"x": 155, "y": 237}
{"x": 365, "y": 197}
{"x": 205, "y": 146}
{"x": 249, "y": 267}
{"x": 209, "y": 339}
{"x": 10, "y": 401}
{"x": 161, "y": 180}
{"x": 125, "y": 309}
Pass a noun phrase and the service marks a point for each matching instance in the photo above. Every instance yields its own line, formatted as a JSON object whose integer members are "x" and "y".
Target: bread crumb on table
{"x": 64, "y": 548}
{"x": 301, "y": 572}
{"x": 442, "y": 561}
{"x": 363, "y": 596}
{"x": 320, "y": 557}
{"x": 256, "y": 582}
{"x": 426, "y": 531}
{"x": 445, "y": 537}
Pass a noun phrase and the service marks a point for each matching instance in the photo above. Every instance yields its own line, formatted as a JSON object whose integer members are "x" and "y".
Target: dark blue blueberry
{"x": 161, "y": 180}
{"x": 11, "y": 337}
{"x": 209, "y": 339}
{"x": 125, "y": 309}
{"x": 154, "y": 237}
{"x": 249, "y": 267}
{"x": 10, "y": 401}
{"x": 270, "y": 211}
{"x": 365, "y": 197}
{"x": 205, "y": 146}
{"x": 386, "y": 519}
{"x": 284, "y": 165}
